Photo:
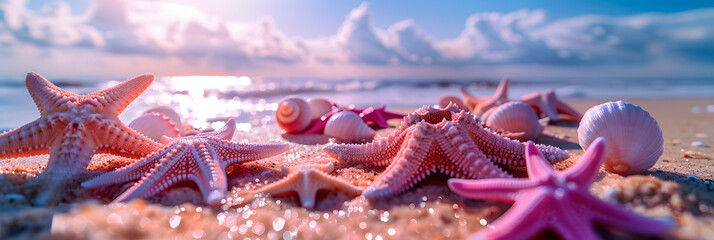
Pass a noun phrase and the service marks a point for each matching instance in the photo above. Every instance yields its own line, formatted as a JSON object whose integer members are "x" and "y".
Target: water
{"x": 206, "y": 101}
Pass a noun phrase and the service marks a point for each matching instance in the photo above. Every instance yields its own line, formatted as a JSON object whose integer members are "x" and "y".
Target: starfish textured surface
{"x": 201, "y": 158}
{"x": 446, "y": 140}
{"x": 559, "y": 201}
{"x": 481, "y": 105}
{"x": 306, "y": 181}
{"x": 72, "y": 128}
{"x": 545, "y": 102}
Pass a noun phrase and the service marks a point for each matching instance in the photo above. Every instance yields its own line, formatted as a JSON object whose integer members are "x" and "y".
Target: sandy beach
{"x": 679, "y": 186}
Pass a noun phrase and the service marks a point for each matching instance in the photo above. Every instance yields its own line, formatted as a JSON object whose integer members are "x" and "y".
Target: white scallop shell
{"x": 348, "y": 127}
{"x": 155, "y": 125}
{"x": 168, "y": 112}
{"x": 446, "y": 99}
{"x": 320, "y": 106}
{"x": 293, "y": 114}
{"x": 634, "y": 139}
{"x": 516, "y": 118}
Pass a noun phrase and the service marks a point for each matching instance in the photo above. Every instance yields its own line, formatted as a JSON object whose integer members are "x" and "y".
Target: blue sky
{"x": 335, "y": 39}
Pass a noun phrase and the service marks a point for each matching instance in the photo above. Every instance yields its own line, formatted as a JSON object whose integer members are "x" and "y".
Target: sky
{"x": 357, "y": 39}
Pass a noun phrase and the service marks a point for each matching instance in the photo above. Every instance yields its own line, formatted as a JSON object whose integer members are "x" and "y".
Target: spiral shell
{"x": 446, "y": 99}
{"x": 168, "y": 112}
{"x": 155, "y": 125}
{"x": 516, "y": 118}
{"x": 634, "y": 139}
{"x": 348, "y": 127}
{"x": 293, "y": 115}
{"x": 320, "y": 106}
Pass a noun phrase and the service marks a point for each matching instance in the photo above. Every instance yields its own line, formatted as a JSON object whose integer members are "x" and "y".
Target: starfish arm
{"x": 586, "y": 169}
{"x": 224, "y": 133}
{"x": 621, "y": 218}
{"x": 46, "y": 95}
{"x": 118, "y": 139}
{"x": 29, "y": 140}
{"x": 470, "y": 100}
{"x": 465, "y": 161}
{"x": 135, "y": 171}
{"x": 375, "y": 118}
{"x": 538, "y": 167}
{"x": 571, "y": 224}
{"x": 561, "y": 107}
{"x": 524, "y": 219}
{"x": 506, "y": 190}
{"x": 331, "y": 182}
{"x": 115, "y": 99}
{"x": 231, "y": 152}
{"x": 377, "y": 153}
{"x": 502, "y": 90}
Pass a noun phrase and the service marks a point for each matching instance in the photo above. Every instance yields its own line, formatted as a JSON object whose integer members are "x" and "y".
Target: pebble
{"x": 699, "y": 144}
{"x": 701, "y": 135}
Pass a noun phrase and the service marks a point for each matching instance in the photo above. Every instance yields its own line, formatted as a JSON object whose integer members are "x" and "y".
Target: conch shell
{"x": 348, "y": 127}
{"x": 634, "y": 138}
{"x": 293, "y": 115}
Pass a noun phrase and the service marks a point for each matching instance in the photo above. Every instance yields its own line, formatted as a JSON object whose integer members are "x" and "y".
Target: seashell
{"x": 516, "y": 118}
{"x": 320, "y": 106}
{"x": 293, "y": 114}
{"x": 634, "y": 139}
{"x": 168, "y": 112}
{"x": 446, "y": 99}
{"x": 348, "y": 127}
{"x": 155, "y": 125}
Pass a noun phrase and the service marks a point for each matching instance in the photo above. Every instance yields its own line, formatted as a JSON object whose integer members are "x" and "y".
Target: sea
{"x": 207, "y": 101}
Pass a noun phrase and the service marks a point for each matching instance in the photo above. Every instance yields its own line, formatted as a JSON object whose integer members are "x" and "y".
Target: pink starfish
{"x": 376, "y": 118}
{"x": 201, "y": 158}
{"x": 481, "y": 105}
{"x": 546, "y": 103}
{"x": 72, "y": 128}
{"x": 554, "y": 200}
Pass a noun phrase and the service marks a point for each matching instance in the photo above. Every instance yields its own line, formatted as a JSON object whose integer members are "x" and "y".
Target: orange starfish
{"x": 481, "y": 105}
{"x": 306, "y": 181}
{"x": 200, "y": 158}
{"x": 72, "y": 128}
{"x": 445, "y": 140}
{"x": 546, "y": 103}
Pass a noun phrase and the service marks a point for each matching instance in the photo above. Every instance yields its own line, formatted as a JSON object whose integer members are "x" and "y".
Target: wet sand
{"x": 679, "y": 185}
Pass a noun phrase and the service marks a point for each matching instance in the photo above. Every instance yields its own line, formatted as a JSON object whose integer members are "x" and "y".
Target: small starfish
{"x": 201, "y": 158}
{"x": 72, "y": 128}
{"x": 554, "y": 200}
{"x": 306, "y": 180}
{"x": 376, "y": 118}
{"x": 446, "y": 140}
{"x": 481, "y": 105}
{"x": 546, "y": 103}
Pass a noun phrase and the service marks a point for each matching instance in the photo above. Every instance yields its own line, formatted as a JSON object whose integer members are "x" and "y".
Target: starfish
{"x": 546, "y": 103}
{"x": 447, "y": 140}
{"x": 559, "y": 201}
{"x": 72, "y": 128}
{"x": 200, "y": 158}
{"x": 481, "y": 105}
{"x": 376, "y": 118}
{"x": 306, "y": 181}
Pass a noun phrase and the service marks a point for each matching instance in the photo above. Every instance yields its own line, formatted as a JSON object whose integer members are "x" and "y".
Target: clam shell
{"x": 155, "y": 125}
{"x": 446, "y": 99}
{"x": 168, "y": 112}
{"x": 293, "y": 114}
{"x": 516, "y": 118}
{"x": 348, "y": 127}
{"x": 319, "y": 106}
{"x": 634, "y": 139}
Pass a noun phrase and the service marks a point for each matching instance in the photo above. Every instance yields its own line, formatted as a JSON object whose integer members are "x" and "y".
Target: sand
{"x": 679, "y": 186}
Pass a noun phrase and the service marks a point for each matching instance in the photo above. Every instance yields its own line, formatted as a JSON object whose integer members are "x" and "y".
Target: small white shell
{"x": 517, "y": 118}
{"x": 320, "y": 106}
{"x": 634, "y": 140}
{"x": 348, "y": 127}
{"x": 155, "y": 125}
{"x": 293, "y": 114}
{"x": 168, "y": 112}
{"x": 446, "y": 99}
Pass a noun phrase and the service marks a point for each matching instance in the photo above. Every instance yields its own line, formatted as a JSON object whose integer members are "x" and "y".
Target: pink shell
{"x": 444, "y": 101}
{"x": 634, "y": 139}
{"x": 320, "y": 106}
{"x": 516, "y": 118}
{"x": 168, "y": 112}
{"x": 155, "y": 125}
{"x": 348, "y": 127}
{"x": 293, "y": 115}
